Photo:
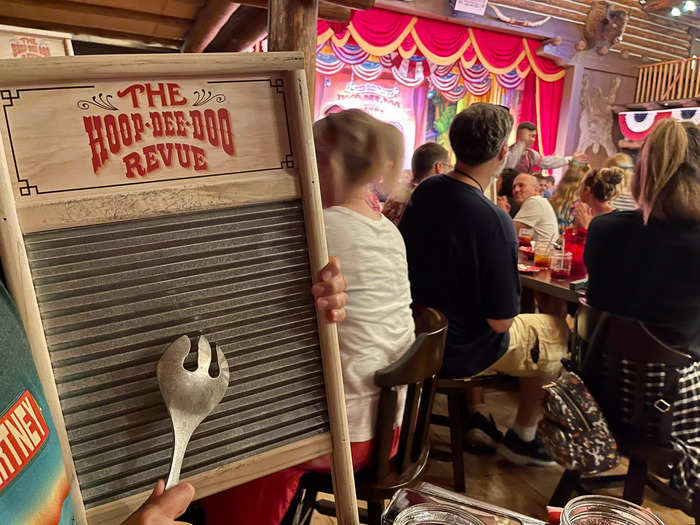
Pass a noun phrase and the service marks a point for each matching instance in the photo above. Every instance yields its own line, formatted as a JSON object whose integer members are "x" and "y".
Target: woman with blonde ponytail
{"x": 643, "y": 264}
{"x": 566, "y": 195}
{"x": 666, "y": 183}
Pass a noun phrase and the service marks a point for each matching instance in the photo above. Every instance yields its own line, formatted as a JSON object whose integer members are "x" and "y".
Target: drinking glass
{"x": 436, "y": 514}
{"x": 561, "y": 265}
{"x": 576, "y": 242}
{"x": 525, "y": 236}
{"x": 543, "y": 254}
{"x": 598, "y": 510}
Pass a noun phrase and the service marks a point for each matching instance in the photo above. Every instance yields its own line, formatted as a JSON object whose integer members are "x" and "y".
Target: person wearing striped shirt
{"x": 625, "y": 201}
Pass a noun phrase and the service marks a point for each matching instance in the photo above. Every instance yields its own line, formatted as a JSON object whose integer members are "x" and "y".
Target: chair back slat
{"x": 408, "y": 426}
{"x": 417, "y": 372}
{"x": 423, "y": 421}
{"x": 384, "y": 432}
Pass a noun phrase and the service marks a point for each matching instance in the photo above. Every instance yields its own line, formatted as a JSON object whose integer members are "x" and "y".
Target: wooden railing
{"x": 672, "y": 80}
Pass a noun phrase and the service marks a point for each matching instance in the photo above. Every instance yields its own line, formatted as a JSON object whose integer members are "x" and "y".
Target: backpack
{"x": 574, "y": 431}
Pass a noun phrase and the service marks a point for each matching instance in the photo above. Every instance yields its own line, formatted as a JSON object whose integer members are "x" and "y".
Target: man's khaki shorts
{"x": 538, "y": 342}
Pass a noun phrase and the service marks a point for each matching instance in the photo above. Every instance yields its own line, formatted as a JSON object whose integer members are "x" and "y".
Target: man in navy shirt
{"x": 462, "y": 258}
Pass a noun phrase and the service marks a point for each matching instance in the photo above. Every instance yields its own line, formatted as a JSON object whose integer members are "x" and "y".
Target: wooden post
{"x": 245, "y": 28}
{"x": 568, "y": 117}
{"x": 292, "y": 27}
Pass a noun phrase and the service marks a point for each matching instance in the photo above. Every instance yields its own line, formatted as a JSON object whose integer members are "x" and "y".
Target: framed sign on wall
{"x": 23, "y": 42}
{"x": 144, "y": 197}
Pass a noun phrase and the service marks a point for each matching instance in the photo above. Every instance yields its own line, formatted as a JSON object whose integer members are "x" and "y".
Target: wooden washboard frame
{"x": 60, "y": 178}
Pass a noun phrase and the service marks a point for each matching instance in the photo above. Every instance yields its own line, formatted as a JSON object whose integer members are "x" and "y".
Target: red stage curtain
{"x": 545, "y": 69}
{"x": 549, "y": 96}
{"x": 501, "y": 52}
{"x": 541, "y": 104}
{"x": 440, "y": 42}
{"x": 380, "y": 35}
{"x": 528, "y": 105}
{"x": 381, "y": 32}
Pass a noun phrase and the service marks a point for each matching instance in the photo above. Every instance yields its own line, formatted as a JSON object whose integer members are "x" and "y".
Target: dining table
{"x": 541, "y": 282}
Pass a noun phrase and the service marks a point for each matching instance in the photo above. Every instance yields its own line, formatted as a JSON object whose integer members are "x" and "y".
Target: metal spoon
{"x": 189, "y": 396}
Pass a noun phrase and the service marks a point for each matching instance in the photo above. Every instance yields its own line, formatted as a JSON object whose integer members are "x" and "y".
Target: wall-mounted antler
{"x": 514, "y": 21}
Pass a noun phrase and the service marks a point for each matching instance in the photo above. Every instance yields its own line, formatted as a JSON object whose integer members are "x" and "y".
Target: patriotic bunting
{"x": 456, "y": 94}
{"x": 636, "y": 125}
{"x": 351, "y": 54}
{"x": 510, "y": 80}
{"x": 328, "y": 64}
{"x": 368, "y": 71}
{"x": 453, "y": 80}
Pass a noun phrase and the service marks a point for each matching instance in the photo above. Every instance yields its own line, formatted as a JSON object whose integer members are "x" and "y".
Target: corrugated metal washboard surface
{"x": 113, "y": 296}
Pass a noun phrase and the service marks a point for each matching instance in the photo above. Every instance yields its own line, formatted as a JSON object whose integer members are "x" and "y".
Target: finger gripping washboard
{"x": 147, "y": 197}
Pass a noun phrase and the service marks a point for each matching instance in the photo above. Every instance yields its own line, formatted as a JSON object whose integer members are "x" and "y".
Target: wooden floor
{"x": 523, "y": 489}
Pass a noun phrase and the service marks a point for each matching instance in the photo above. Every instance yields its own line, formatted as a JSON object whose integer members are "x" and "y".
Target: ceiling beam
{"x": 223, "y": 25}
{"x": 79, "y": 31}
{"x": 354, "y": 4}
{"x": 96, "y": 17}
{"x": 209, "y": 21}
{"x": 244, "y": 29}
{"x": 326, "y": 10}
{"x": 187, "y": 9}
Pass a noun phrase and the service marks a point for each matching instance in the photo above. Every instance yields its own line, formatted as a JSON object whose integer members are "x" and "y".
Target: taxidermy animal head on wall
{"x": 604, "y": 27}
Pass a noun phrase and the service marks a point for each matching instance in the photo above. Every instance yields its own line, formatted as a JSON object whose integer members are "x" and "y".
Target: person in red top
{"x": 523, "y": 158}
{"x": 429, "y": 159}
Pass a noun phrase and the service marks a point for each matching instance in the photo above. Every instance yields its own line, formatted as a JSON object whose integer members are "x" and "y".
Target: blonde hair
{"x": 625, "y": 162}
{"x": 605, "y": 183}
{"x": 567, "y": 190}
{"x": 353, "y": 149}
{"x": 666, "y": 181}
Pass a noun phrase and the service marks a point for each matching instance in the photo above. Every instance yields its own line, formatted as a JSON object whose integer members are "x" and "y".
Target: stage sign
{"x": 146, "y": 197}
{"x": 477, "y": 7}
{"x": 20, "y": 42}
{"x": 111, "y": 134}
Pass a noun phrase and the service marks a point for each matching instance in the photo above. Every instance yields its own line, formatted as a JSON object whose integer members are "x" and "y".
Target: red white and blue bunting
{"x": 477, "y": 79}
{"x": 328, "y": 64}
{"x": 510, "y": 80}
{"x": 453, "y": 81}
{"x": 368, "y": 71}
{"x": 636, "y": 125}
{"x": 410, "y": 72}
{"x": 351, "y": 54}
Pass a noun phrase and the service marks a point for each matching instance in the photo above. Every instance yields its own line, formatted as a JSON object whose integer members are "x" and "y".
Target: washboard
{"x": 143, "y": 197}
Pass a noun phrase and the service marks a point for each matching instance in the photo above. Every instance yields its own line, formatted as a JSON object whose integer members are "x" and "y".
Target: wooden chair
{"x": 456, "y": 419}
{"x": 417, "y": 369}
{"x": 643, "y": 431}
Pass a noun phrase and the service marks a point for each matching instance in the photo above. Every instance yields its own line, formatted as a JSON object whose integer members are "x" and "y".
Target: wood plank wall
{"x": 655, "y": 37}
